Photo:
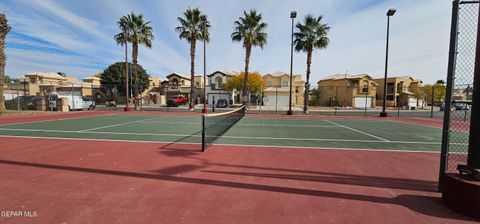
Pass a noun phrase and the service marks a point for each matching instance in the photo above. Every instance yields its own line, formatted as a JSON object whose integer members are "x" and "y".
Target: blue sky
{"x": 76, "y": 37}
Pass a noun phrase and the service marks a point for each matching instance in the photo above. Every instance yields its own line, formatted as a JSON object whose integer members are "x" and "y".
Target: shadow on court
{"x": 427, "y": 205}
{"x": 180, "y": 145}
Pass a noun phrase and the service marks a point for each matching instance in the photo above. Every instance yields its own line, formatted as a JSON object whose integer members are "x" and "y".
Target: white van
{"x": 75, "y": 101}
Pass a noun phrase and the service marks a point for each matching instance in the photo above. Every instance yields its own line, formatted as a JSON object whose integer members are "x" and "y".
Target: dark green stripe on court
{"x": 293, "y": 132}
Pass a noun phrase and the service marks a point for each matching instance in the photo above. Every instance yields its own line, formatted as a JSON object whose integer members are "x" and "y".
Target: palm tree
{"x": 122, "y": 39}
{"x": 250, "y": 30}
{"x": 4, "y": 29}
{"x": 191, "y": 29}
{"x": 136, "y": 31}
{"x": 312, "y": 34}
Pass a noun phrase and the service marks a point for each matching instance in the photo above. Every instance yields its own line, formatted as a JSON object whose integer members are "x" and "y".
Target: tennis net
{"x": 215, "y": 125}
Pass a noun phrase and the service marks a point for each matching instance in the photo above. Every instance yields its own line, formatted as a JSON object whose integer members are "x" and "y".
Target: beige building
{"x": 179, "y": 85}
{"x": 277, "y": 89}
{"x": 357, "y": 91}
{"x": 154, "y": 83}
{"x": 89, "y": 85}
{"x": 400, "y": 91}
{"x": 40, "y": 83}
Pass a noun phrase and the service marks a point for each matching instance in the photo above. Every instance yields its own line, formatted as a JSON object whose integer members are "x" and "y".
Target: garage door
{"x": 360, "y": 101}
{"x": 280, "y": 101}
{"x": 412, "y": 102}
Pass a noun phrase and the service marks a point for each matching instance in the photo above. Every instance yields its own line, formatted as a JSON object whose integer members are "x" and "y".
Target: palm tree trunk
{"x": 307, "y": 84}
{"x": 246, "y": 88}
{"x": 192, "y": 74}
{"x": 135, "y": 75}
{"x": 3, "y": 34}
{"x": 135, "y": 62}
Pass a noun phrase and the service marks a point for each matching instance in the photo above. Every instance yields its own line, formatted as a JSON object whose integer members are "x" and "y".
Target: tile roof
{"x": 345, "y": 76}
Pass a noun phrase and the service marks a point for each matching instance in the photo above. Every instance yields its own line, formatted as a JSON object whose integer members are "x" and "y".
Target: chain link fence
{"x": 458, "y": 123}
{"x": 347, "y": 100}
{"x": 403, "y": 101}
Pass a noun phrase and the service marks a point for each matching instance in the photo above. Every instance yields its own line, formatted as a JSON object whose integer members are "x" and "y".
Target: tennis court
{"x": 249, "y": 131}
{"x": 95, "y": 167}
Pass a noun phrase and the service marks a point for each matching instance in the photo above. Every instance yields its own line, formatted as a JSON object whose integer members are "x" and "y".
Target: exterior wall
{"x": 93, "y": 81}
{"x": 39, "y": 85}
{"x": 283, "y": 81}
{"x": 71, "y": 79}
{"x": 215, "y": 88}
{"x": 400, "y": 85}
{"x": 154, "y": 82}
{"x": 183, "y": 87}
{"x": 198, "y": 81}
{"x": 342, "y": 92}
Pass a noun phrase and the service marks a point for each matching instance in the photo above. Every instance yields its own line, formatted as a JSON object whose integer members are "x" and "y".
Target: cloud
{"x": 82, "y": 31}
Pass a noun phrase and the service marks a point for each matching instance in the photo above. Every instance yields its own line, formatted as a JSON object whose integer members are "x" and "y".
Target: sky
{"x": 76, "y": 37}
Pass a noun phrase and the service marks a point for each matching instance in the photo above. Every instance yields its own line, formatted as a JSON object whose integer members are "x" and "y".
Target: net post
{"x": 203, "y": 133}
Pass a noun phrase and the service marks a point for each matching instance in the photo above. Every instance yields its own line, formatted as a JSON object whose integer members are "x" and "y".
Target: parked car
{"x": 179, "y": 99}
{"x": 222, "y": 103}
{"x": 463, "y": 105}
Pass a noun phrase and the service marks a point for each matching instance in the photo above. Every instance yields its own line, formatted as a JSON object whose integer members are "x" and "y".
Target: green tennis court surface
{"x": 254, "y": 131}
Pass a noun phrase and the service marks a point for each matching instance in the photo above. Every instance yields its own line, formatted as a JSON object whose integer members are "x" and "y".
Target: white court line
{"x": 361, "y": 132}
{"x": 239, "y": 145}
{"x": 61, "y": 119}
{"x": 120, "y": 124}
{"x": 266, "y": 125}
{"x": 231, "y": 137}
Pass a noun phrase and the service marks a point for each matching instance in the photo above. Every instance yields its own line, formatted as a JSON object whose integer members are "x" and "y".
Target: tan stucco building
{"x": 277, "y": 89}
{"x": 346, "y": 90}
{"x": 400, "y": 91}
{"x": 40, "y": 83}
{"x": 179, "y": 85}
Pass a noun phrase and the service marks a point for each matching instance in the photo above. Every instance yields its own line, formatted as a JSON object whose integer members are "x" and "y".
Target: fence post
{"x": 213, "y": 103}
{"x": 276, "y": 99}
{"x": 73, "y": 99}
{"x": 366, "y": 101}
{"x": 203, "y": 132}
{"x": 433, "y": 99}
{"x": 398, "y": 105}
{"x": 18, "y": 95}
{"x": 448, "y": 99}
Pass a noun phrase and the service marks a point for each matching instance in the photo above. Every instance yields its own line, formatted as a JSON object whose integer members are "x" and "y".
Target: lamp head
{"x": 391, "y": 12}
{"x": 293, "y": 14}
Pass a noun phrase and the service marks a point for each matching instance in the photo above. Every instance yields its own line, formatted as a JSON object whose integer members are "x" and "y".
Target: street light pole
{"x": 126, "y": 75}
{"x": 204, "y": 20}
{"x": 293, "y": 15}
{"x": 384, "y": 113}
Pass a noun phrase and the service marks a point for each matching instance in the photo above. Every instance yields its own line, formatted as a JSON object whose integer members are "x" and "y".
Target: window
{"x": 269, "y": 84}
{"x": 365, "y": 87}
{"x": 390, "y": 97}
{"x": 285, "y": 83}
{"x": 174, "y": 84}
{"x": 390, "y": 87}
{"x": 32, "y": 80}
{"x": 218, "y": 82}
{"x": 183, "y": 82}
